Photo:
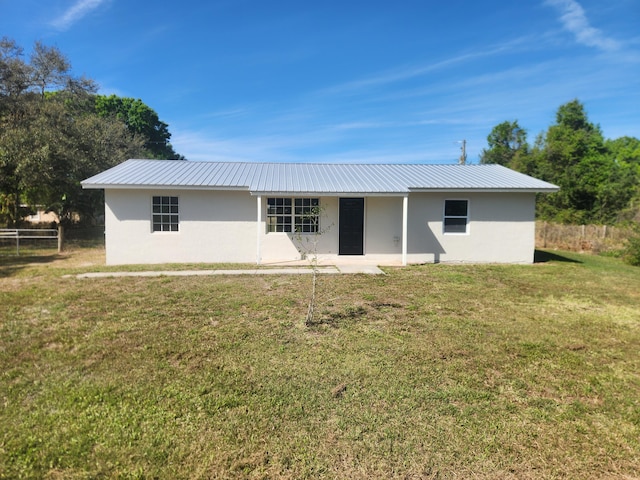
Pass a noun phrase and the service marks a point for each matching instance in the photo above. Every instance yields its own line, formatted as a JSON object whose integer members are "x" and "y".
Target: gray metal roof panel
{"x": 313, "y": 177}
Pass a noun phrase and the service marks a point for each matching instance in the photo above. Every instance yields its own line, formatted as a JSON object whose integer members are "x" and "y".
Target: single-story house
{"x": 163, "y": 211}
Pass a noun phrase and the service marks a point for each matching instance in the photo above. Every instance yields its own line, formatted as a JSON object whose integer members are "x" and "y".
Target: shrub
{"x": 632, "y": 251}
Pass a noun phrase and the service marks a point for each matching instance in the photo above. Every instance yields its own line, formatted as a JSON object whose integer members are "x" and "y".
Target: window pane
{"x": 455, "y": 208}
{"x": 455, "y": 225}
{"x": 164, "y": 216}
{"x": 291, "y": 214}
{"x": 279, "y": 214}
{"x": 307, "y": 215}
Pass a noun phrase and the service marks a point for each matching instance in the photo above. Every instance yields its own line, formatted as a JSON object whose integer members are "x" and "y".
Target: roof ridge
{"x": 247, "y": 162}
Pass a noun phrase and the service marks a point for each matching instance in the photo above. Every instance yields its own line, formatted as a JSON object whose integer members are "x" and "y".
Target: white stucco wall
{"x": 501, "y": 229}
{"x": 220, "y": 227}
{"x": 215, "y": 227}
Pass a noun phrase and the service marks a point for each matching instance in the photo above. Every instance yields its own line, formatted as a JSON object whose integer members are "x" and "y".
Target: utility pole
{"x": 463, "y": 156}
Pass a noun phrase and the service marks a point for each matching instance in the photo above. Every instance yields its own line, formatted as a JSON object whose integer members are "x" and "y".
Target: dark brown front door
{"x": 351, "y": 226}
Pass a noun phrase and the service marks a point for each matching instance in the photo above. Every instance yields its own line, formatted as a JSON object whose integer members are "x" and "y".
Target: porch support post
{"x": 259, "y": 230}
{"x": 405, "y": 216}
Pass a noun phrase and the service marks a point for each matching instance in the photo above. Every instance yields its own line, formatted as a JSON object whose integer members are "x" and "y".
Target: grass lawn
{"x": 434, "y": 371}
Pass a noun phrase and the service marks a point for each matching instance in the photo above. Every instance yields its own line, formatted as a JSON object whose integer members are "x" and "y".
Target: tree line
{"x": 55, "y": 131}
{"x": 599, "y": 178}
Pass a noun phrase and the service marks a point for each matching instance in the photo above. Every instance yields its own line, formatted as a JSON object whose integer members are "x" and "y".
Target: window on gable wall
{"x": 165, "y": 214}
{"x": 293, "y": 215}
{"x": 456, "y": 216}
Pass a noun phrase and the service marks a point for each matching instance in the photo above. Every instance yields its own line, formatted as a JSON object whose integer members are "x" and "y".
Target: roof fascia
{"x": 107, "y": 186}
{"x": 110, "y": 186}
{"x": 484, "y": 190}
{"x": 330, "y": 194}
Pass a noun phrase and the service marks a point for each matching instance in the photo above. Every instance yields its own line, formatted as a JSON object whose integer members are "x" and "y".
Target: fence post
{"x": 60, "y": 238}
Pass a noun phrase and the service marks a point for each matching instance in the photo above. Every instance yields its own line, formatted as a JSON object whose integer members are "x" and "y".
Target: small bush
{"x": 632, "y": 251}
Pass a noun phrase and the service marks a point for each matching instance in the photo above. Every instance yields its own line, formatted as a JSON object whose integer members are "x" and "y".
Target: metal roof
{"x": 314, "y": 178}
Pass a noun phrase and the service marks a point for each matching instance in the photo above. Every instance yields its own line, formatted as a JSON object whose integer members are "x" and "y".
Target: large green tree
{"x": 573, "y": 155}
{"x": 597, "y": 178}
{"x": 507, "y": 145}
{"x": 49, "y": 143}
{"x": 141, "y": 120}
{"x": 625, "y": 152}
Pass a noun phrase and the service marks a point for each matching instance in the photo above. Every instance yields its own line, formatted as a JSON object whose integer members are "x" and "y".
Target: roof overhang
{"x": 330, "y": 194}
{"x": 484, "y": 190}
{"x": 97, "y": 186}
{"x": 94, "y": 186}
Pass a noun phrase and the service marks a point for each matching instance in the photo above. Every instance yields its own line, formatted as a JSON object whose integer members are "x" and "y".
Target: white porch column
{"x": 259, "y": 230}
{"x": 405, "y": 216}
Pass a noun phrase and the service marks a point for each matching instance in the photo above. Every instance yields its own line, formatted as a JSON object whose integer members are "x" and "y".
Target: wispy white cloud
{"x": 76, "y": 12}
{"x": 409, "y": 115}
{"x": 399, "y": 74}
{"x": 574, "y": 19}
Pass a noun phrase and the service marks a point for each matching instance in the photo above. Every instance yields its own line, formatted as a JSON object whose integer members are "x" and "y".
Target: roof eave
{"x": 107, "y": 186}
{"x": 484, "y": 190}
{"x": 328, "y": 194}
{"x": 111, "y": 186}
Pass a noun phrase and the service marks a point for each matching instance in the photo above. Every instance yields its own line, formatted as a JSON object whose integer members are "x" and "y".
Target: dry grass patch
{"x": 430, "y": 371}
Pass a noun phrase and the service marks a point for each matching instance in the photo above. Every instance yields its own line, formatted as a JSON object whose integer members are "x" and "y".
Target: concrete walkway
{"x": 337, "y": 269}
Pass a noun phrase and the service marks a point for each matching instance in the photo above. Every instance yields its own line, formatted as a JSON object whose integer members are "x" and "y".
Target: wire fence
{"x": 581, "y": 238}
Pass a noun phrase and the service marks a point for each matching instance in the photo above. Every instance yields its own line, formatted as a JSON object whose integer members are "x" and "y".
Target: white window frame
{"x": 304, "y": 221}
{"x": 286, "y": 215}
{"x": 279, "y": 215}
{"x": 158, "y": 213}
{"x": 466, "y": 217}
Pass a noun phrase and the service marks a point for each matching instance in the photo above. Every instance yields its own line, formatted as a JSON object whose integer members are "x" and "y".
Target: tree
{"x": 308, "y": 247}
{"x": 572, "y": 154}
{"x": 50, "y": 142}
{"x": 625, "y": 149}
{"x": 507, "y": 145}
{"x": 625, "y": 152}
{"x": 598, "y": 179}
{"x": 15, "y": 74}
{"x": 141, "y": 120}
{"x": 97, "y": 144}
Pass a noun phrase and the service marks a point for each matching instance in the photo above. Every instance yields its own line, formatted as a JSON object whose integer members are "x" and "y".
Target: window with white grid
{"x": 165, "y": 214}
{"x": 289, "y": 215}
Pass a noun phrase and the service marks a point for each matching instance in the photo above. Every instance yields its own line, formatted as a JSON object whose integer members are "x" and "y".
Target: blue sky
{"x": 350, "y": 80}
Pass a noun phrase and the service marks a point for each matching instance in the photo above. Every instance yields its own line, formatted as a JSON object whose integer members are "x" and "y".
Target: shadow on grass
{"x": 541, "y": 256}
{"x": 9, "y": 265}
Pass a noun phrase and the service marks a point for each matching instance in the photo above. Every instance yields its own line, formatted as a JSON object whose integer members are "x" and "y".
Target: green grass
{"x": 434, "y": 371}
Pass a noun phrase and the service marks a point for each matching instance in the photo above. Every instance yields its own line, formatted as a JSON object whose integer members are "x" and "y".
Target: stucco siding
{"x": 383, "y": 226}
{"x": 501, "y": 229}
{"x": 214, "y": 227}
{"x": 221, "y": 227}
